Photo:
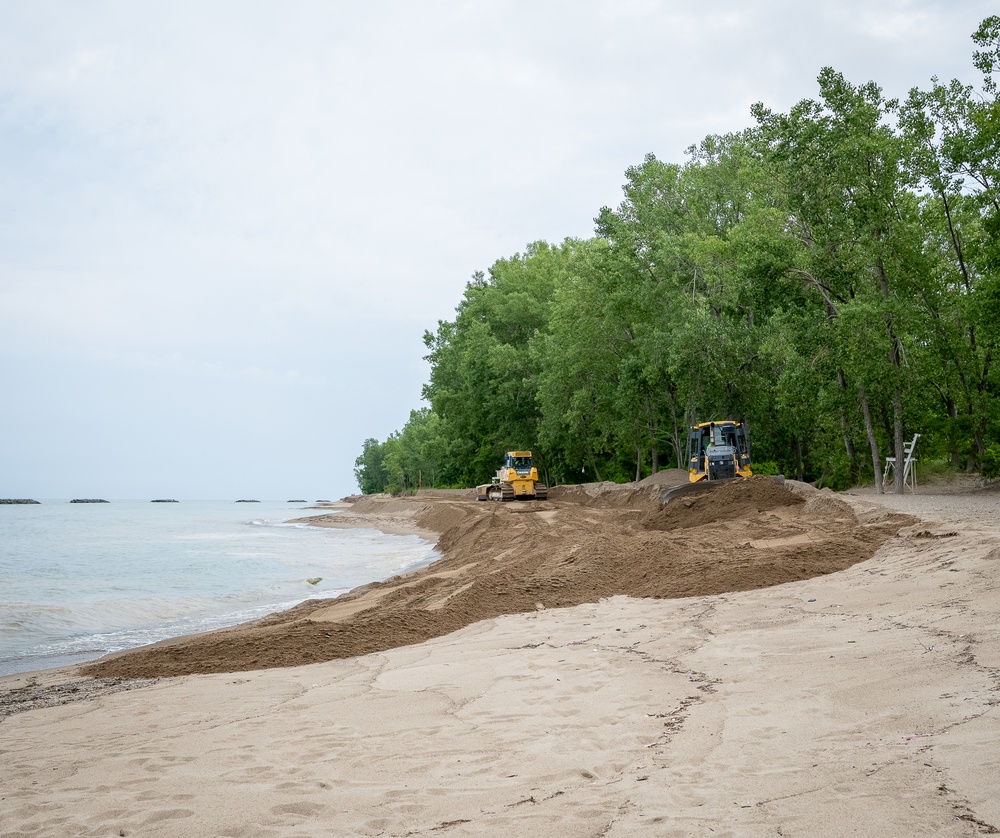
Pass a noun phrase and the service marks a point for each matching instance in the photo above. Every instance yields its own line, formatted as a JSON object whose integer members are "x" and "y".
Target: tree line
{"x": 830, "y": 277}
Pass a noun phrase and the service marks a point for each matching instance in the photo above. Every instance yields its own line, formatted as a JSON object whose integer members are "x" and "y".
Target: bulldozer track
{"x": 504, "y": 492}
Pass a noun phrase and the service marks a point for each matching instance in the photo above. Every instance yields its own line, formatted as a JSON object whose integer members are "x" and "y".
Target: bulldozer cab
{"x": 719, "y": 434}
{"x": 520, "y": 461}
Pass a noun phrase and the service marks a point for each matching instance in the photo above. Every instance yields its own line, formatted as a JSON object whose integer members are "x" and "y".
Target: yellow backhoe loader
{"x": 516, "y": 480}
{"x": 717, "y": 452}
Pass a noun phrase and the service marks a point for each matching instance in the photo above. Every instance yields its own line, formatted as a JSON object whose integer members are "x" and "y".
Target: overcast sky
{"x": 225, "y": 226}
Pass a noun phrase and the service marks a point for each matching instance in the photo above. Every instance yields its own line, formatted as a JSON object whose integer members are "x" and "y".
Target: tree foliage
{"x": 830, "y": 277}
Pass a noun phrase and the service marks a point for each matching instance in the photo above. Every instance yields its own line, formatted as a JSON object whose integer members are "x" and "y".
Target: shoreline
{"x": 329, "y": 515}
{"x": 586, "y": 543}
{"x": 412, "y": 551}
{"x": 412, "y": 515}
{"x": 865, "y": 697}
{"x": 346, "y": 517}
{"x": 405, "y": 516}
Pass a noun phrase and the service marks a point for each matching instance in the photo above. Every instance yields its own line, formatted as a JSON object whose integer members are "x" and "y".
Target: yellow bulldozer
{"x": 718, "y": 451}
{"x": 516, "y": 480}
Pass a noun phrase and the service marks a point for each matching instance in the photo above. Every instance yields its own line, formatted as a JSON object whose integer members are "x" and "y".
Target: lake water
{"x": 80, "y": 580}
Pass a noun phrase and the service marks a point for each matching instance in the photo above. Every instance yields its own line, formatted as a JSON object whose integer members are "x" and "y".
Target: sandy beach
{"x": 763, "y": 661}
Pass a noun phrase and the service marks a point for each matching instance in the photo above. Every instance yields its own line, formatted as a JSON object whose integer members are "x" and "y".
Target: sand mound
{"x": 608, "y": 495}
{"x": 666, "y": 478}
{"x": 588, "y": 543}
{"x": 725, "y": 502}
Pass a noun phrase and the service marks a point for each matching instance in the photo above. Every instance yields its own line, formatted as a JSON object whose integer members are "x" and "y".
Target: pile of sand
{"x": 585, "y": 544}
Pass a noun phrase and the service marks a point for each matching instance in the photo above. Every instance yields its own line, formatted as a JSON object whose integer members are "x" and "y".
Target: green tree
{"x": 368, "y": 468}
{"x": 831, "y": 278}
{"x": 484, "y": 363}
{"x": 841, "y": 164}
{"x": 954, "y": 139}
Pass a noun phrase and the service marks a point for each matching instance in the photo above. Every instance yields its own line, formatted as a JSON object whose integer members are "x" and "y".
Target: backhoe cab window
{"x": 711, "y": 436}
{"x": 520, "y": 462}
{"x": 720, "y": 436}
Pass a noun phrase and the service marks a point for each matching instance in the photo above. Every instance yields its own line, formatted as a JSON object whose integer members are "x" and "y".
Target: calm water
{"x": 80, "y": 580}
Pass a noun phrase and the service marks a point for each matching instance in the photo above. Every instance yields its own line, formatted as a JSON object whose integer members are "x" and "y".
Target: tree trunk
{"x": 676, "y": 442}
{"x": 870, "y": 432}
{"x": 899, "y": 472}
{"x": 956, "y": 459}
{"x": 895, "y": 358}
{"x": 596, "y": 470}
{"x": 654, "y": 448}
{"x": 845, "y": 429}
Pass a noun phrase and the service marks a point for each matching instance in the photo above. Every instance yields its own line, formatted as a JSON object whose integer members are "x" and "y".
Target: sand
{"x": 764, "y": 663}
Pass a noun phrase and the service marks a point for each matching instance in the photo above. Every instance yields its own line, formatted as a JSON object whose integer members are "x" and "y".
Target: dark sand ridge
{"x": 585, "y": 544}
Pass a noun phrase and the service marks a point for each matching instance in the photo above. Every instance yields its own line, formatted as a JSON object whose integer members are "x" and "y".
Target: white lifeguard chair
{"x": 909, "y": 470}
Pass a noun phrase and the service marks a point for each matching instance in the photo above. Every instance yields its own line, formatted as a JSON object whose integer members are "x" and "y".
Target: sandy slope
{"x": 860, "y": 702}
{"x": 585, "y": 544}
